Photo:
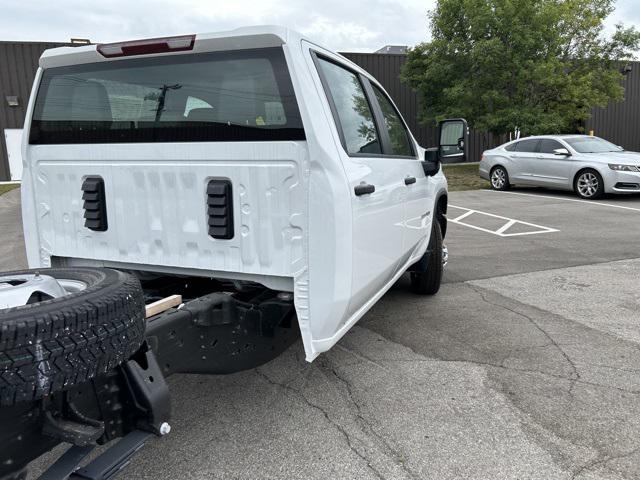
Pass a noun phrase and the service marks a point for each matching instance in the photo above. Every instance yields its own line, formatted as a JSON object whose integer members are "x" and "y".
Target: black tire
{"x": 584, "y": 192}
{"x": 501, "y": 180}
{"x": 52, "y": 345}
{"x": 426, "y": 275}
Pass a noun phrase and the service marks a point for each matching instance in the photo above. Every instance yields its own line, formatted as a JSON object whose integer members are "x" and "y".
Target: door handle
{"x": 364, "y": 188}
{"x": 409, "y": 180}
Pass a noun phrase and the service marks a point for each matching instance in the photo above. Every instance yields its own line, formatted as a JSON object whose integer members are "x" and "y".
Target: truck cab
{"x": 253, "y": 157}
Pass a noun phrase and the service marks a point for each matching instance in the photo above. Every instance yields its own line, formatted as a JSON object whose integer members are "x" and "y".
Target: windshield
{"x": 222, "y": 96}
{"x": 591, "y": 145}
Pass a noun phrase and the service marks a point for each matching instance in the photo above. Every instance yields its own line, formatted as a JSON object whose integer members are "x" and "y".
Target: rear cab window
{"x": 221, "y": 96}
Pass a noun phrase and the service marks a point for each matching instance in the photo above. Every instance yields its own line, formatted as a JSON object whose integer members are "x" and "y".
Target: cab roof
{"x": 239, "y": 39}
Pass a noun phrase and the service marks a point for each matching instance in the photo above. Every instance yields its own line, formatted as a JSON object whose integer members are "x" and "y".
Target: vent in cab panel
{"x": 95, "y": 205}
{"x": 220, "y": 209}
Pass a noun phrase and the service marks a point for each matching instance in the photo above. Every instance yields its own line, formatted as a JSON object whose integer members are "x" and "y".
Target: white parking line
{"x": 502, "y": 231}
{"x": 466, "y": 214}
{"x": 589, "y": 202}
{"x": 506, "y": 226}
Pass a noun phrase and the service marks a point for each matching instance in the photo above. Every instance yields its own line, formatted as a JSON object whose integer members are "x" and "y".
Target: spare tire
{"x": 50, "y": 342}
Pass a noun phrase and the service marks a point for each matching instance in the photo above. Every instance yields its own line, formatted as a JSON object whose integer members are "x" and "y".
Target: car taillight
{"x": 147, "y": 46}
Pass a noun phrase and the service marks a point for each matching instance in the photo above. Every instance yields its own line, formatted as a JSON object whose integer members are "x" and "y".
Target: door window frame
{"x": 374, "y": 106}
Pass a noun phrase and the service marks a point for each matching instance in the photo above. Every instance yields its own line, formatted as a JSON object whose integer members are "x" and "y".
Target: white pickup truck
{"x": 263, "y": 180}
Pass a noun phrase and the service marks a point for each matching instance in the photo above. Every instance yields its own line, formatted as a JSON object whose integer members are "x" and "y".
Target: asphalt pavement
{"x": 525, "y": 365}
{"x": 12, "y": 254}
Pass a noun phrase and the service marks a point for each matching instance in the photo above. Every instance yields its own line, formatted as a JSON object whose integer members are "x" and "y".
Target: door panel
{"x": 377, "y": 225}
{"x": 418, "y": 208}
{"x": 400, "y": 146}
{"x": 517, "y": 167}
{"x": 549, "y": 168}
{"x": 523, "y": 156}
{"x": 378, "y": 215}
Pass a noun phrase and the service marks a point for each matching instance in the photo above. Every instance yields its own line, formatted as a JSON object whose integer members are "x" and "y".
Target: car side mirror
{"x": 562, "y": 151}
{"x": 431, "y": 163}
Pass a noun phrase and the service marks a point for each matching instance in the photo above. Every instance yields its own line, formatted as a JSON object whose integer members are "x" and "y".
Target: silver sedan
{"x": 588, "y": 165}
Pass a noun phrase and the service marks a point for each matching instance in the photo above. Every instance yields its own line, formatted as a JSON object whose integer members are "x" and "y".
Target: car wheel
{"x": 589, "y": 185}
{"x": 61, "y": 327}
{"x": 499, "y": 179}
{"x": 426, "y": 275}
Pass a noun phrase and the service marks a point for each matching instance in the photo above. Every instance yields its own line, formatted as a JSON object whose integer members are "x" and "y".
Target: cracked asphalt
{"x": 526, "y": 365}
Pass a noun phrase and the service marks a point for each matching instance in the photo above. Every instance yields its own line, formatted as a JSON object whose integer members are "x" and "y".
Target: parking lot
{"x": 525, "y": 365}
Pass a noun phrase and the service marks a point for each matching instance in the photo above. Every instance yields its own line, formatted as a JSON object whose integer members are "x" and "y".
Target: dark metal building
{"x": 619, "y": 123}
{"x": 18, "y": 65}
{"x": 401, "y": 49}
{"x": 386, "y": 69}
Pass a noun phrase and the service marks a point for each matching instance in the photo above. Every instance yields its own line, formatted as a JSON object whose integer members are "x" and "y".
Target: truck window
{"x": 221, "y": 96}
{"x": 398, "y": 134}
{"x": 354, "y": 116}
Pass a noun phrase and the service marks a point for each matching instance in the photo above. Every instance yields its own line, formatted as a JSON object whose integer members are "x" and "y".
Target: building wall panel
{"x": 620, "y": 122}
{"x": 18, "y": 65}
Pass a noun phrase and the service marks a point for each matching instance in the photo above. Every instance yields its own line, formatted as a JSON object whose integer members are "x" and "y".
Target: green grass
{"x": 4, "y": 188}
{"x": 464, "y": 177}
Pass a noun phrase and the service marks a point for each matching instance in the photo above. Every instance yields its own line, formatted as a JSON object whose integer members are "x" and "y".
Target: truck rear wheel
{"x": 61, "y": 327}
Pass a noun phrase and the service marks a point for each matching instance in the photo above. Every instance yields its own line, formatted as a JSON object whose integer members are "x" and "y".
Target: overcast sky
{"x": 344, "y": 25}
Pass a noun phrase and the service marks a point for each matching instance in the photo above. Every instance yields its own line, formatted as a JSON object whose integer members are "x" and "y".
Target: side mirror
{"x": 452, "y": 140}
{"x": 431, "y": 163}
{"x": 562, "y": 151}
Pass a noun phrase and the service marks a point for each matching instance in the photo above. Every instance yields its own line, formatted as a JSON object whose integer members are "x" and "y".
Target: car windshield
{"x": 591, "y": 145}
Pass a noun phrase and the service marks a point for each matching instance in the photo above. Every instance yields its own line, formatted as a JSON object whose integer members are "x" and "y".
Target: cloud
{"x": 340, "y": 32}
{"x": 341, "y": 25}
{"x": 626, "y": 12}
{"x": 344, "y": 25}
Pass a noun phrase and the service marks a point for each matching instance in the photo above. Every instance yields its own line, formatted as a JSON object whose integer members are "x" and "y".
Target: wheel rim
{"x": 498, "y": 178}
{"x": 445, "y": 255}
{"x": 588, "y": 184}
{"x": 19, "y": 290}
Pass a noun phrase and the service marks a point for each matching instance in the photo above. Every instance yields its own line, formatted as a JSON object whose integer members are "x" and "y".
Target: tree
{"x": 536, "y": 65}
